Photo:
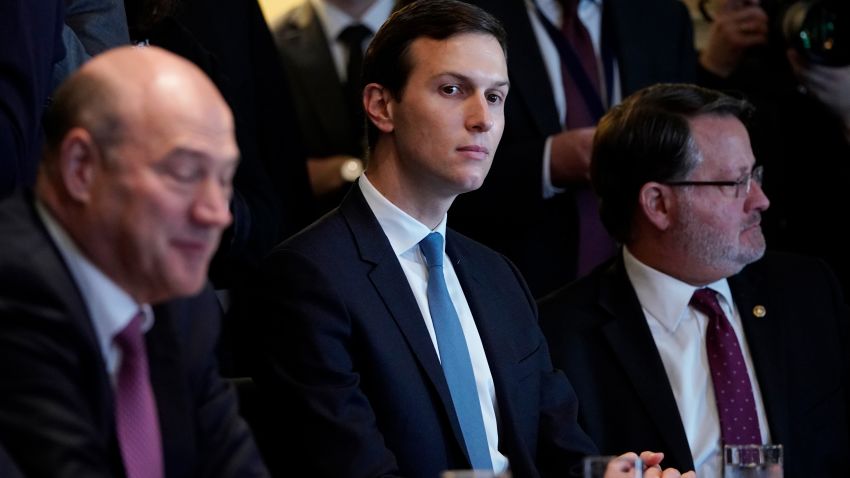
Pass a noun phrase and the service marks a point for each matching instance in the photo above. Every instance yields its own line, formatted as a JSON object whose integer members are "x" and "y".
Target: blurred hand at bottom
{"x": 652, "y": 467}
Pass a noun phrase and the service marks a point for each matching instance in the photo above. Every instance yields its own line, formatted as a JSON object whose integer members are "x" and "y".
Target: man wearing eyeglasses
{"x": 692, "y": 338}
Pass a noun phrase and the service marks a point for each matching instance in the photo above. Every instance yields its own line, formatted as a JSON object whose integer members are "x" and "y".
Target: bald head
{"x": 124, "y": 86}
{"x": 138, "y": 169}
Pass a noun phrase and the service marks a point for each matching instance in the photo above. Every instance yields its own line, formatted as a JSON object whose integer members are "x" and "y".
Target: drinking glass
{"x": 612, "y": 467}
{"x": 752, "y": 461}
{"x": 474, "y": 474}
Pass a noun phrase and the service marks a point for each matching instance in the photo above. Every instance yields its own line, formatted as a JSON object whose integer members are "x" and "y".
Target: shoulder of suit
{"x": 329, "y": 231}
{"x": 471, "y": 247}
{"x": 24, "y": 241}
{"x": 297, "y": 18}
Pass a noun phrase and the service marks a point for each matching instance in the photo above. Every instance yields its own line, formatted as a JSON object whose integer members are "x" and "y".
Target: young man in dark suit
{"x": 391, "y": 345}
{"x": 679, "y": 187}
{"x": 107, "y": 330}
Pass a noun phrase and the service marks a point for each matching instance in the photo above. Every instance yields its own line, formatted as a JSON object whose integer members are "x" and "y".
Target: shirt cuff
{"x": 549, "y": 190}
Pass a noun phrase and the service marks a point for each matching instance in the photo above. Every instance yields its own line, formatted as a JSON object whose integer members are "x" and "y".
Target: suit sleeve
{"x": 226, "y": 447}
{"x": 48, "y": 402}
{"x": 843, "y": 328}
{"x": 562, "y": 444}
{"x": 30, "y": 42}
{"x": 323, "y": 422}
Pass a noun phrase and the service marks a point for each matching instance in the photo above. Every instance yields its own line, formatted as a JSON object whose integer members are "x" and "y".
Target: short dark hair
{"x": 648, "y": 138}
{"x": 387, "y": 61}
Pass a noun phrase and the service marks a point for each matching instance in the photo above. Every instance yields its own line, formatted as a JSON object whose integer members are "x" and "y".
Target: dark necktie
{"x": 578, "y": 111}
{"x": 352, "y": 37}
{"x": 594, "y": 244}
{"x": 733, "y": 391}
{"x": 454, "y": 355}
{"x": 136, "y": 417}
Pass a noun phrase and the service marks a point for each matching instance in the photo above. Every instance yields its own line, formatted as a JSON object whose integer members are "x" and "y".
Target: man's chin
{"x": 185, "y": 285}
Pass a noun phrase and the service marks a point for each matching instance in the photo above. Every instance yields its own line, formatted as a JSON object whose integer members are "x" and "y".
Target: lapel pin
{"x": 759, "y": 311}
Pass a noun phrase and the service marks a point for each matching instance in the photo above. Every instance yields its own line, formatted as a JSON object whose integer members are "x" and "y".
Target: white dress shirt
{"x": 335, "y": 21}
{"x": 590, "y": 14}
{"x": 110, "y": 307}
{"x": 404, "y": 233}
{"x": 679, "y": 334}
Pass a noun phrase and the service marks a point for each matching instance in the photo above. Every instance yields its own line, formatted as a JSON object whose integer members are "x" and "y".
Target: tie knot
{"x": 705, "y": 301}
{"x": 432, "y": 249}
{"x": 130, "y": 338}
{"x": 352, "y": 36}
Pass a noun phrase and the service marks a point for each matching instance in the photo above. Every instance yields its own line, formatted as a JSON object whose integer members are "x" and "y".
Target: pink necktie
{"x": 135, "y": 408}
{"x": 733, "y": 391}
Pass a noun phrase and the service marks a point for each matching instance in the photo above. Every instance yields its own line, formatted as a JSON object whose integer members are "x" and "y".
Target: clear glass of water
{"x": 752, "y": 461}
{"x": 612, "y": 467}
{"x": 474, "y": 474}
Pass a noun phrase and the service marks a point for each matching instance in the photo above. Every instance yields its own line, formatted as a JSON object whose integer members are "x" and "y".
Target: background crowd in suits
{"x": 289, "y": 104}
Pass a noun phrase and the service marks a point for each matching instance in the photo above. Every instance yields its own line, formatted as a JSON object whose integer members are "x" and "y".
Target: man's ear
{"x": 78, "y": 159}
{"x": 376, "y": 103}
{"x": 655, "y": 202}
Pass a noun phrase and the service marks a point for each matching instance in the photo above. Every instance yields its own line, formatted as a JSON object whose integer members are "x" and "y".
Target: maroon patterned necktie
{"x": 135, "y": 408}
{"x": 594, "y": 244}
{"x": 733, "y": 391}
{"x": 578, "y": 111}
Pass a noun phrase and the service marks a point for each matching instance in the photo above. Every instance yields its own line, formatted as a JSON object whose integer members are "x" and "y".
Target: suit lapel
{"x": 631, "y": 341}
{"x": 765, "y": 339}
{"x": 170, "y": 390}
{"x": 486, "y": 302}
{"x": 391, "y": 284}
{"x": 526, "y": 65}
{"x": 315, "y": 72}
{"x": 66, "y": 288}
{"x": 633, "y": 58}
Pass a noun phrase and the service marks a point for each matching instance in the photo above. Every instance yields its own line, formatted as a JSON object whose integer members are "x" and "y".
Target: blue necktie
{"x": 454, "y": 356}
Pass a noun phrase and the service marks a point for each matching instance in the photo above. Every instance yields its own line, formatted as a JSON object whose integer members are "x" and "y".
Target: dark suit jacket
{"x": 91, "y": 27}
{"x": 30, "y": 43}
{"x": 351, "y": 371}
{"x": 598, "y": 335}
{"x": 653, "y": 42}
{"x": 56, "y": 400}
{"x": 323, "y": 112}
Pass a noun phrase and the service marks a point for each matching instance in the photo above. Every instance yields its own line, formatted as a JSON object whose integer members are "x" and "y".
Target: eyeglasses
{"x": 741, "y": 185}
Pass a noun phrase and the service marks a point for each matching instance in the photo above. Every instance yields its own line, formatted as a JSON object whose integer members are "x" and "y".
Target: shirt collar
{"x": 665, "y": 297}
{"x": 403, "y": 231}
{"x": 111, "y": 309}
{"x": 553, "y": 9}
{"x": 335, "y": 20}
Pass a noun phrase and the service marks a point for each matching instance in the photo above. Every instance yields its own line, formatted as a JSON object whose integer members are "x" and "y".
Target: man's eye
{"x": 450, "y": 89}
{"x": 494, "y": 98}
{"x": 185, "y": 174}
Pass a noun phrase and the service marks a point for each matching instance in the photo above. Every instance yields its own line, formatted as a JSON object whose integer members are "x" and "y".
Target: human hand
{"x": 827, "y": 84}
{"x": 737, "y": 26}
{"x": 652, "y": 468}
{"x": 325, "y": 174}
{"x": 570, "y": 156}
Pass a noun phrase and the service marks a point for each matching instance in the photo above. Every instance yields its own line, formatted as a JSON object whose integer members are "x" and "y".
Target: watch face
{"x": 351, "y": 169}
